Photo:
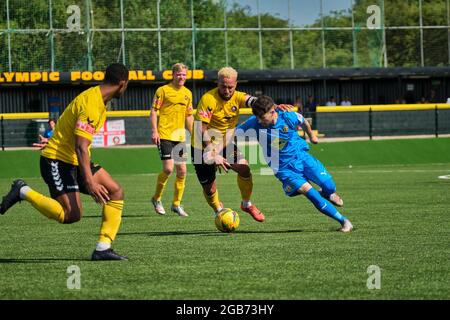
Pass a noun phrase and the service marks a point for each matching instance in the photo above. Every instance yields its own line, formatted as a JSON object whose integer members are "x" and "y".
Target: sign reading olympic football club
{"x": 75, "y": 77}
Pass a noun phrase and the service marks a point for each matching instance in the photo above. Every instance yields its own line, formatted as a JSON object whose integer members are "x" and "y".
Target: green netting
{"x": 105, "y": 14}
{"x": 338, "y": 48}
{"x": 176, "y": 46}
{"x": 4, "y": 53}
{"x": 403, "y": 48}
{"x": 434, "y": 12}
{"x": 175, "y": 14}
{"x": 30, "y": 52}
{"x": 207, "y": 55}
{"x": 141, "y": 50}
{"x": 435, "y": 47}
{"x": 106, "y": 49}
{"x": 3, "y": 21}
{"x": 29, "y": 14}
{"x": 209, "y": 14}
{"x": 243, "y": 49}
{"x": 140, "y": 13}
{"x": 368, "y": 48}
{"x": 402, "y": 13}
{"x": 307, "y": 49}
{"x": 70, "y": 51}
{"x": 275, "y": 50}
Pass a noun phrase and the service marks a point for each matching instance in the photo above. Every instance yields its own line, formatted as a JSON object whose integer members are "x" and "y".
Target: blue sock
{"x": 324, "y": 205}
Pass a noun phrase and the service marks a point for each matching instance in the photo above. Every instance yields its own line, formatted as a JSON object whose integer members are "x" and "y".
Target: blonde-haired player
{"x": 67, "y": 169}
{"x": 173, "y": 101}
{"x": 218, "y": 112}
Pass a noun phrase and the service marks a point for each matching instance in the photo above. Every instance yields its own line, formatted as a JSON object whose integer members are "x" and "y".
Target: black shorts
{"x": 206, "y": 173}
{"x": 62, "y": 177}
{"x": 172, "y": 150}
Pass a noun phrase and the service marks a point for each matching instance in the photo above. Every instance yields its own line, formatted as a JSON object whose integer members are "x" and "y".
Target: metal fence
{"x": 66, "y": 35}
{"x": 22, "y": 130}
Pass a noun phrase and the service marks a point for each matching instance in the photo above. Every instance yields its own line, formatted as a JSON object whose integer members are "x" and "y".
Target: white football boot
{"x": 346, "y": 226}
{"x": 179, "y": 210}
{"x": 336, "y": 200}
{"x": 158, "y": 207}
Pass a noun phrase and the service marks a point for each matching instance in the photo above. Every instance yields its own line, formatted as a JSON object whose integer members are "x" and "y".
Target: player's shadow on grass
{"x": 171, "y": 233}
{"x": 39, "y": 260}
{"x": 211, "y": 233}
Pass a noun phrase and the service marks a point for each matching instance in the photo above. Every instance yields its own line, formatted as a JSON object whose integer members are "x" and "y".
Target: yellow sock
{"x": 179, "y": 190}
{"x": 49, "y": 207}
{"x": 246, "y": 187}
{"x": 160, "y": 185}
{"x": 111, "y": 215}
{"x": 213, "y": 200}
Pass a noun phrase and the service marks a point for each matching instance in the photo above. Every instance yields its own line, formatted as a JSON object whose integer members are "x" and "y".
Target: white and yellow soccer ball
{"x": 227, "y": 220}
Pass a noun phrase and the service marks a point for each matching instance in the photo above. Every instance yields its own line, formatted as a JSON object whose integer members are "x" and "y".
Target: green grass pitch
{"x": 392, "y": 194}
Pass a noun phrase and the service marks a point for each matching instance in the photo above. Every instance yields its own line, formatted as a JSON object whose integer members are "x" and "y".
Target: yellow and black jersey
{"x": 174, "y": 105}
{"x": 218, "y": 113}
{"x": 84, "y": 116}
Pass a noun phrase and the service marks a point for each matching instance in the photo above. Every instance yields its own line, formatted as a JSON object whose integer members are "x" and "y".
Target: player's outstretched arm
{"x": 42, "y": 142}
{"x": 307, "y": 128}
{"x": 285, "y": 107}
{"x": 97, "y": 191}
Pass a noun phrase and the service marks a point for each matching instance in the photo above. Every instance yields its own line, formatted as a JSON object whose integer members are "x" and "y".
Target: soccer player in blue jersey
{"x": 287, "y": 154}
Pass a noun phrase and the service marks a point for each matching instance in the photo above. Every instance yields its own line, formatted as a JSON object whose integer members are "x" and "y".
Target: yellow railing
{"x": 247, "y": 111}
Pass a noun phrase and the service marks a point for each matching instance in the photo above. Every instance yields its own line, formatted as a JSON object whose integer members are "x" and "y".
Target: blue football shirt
{"x": 281, "y": 142}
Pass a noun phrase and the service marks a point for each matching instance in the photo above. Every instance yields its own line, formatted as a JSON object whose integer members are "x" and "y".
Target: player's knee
{"x": 72, "y": 216}
{"x": 117, "y": 193}
{"x": 168, "y": 171}
{"x": 181, "y": 172}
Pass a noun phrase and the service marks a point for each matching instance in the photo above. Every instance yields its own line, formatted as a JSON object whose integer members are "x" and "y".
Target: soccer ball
{"x": 227, "y": 220}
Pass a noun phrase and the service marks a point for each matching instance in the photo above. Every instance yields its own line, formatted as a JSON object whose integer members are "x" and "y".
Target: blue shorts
{"x": 300, "y": 171}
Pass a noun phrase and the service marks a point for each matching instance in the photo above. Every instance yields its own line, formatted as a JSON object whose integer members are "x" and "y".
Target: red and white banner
{"x": 111, "y": 134}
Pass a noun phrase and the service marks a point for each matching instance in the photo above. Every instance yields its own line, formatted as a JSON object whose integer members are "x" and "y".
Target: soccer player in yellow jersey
{"x": 67, "y": 169}
{"x": 218, "y": 111}
{"x": 174, "y": 103}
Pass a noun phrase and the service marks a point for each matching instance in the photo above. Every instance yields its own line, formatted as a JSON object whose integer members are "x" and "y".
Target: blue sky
{"x": 302, "y": 12}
